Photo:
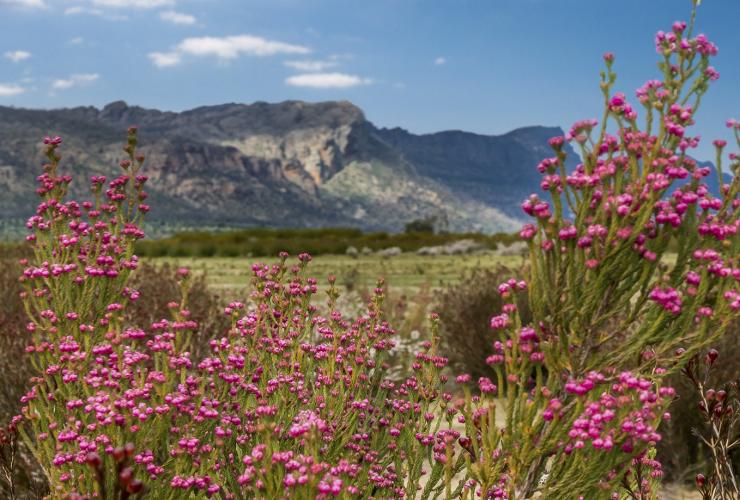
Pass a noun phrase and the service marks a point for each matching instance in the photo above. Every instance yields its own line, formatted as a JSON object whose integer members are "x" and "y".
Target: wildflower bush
{"x": 291, "y": 402}
{"x": 611, "y": 317}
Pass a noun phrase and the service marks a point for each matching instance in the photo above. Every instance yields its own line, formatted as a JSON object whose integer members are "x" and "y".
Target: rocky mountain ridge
{"x": 289, "y": 164}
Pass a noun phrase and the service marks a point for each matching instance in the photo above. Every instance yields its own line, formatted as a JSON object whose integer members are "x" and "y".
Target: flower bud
{"x": 93, "y": 460}
{"x": 135, "y": 486}
{"x": 712, "y": 356}
{"x": 126, "y": 475}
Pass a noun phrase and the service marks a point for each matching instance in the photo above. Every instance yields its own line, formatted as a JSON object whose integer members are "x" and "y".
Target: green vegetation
{"x": 408, "y": 272}
{"x": 259, "y": 242}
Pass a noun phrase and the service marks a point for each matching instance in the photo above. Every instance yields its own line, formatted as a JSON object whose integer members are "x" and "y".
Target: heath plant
{"x": 287, "y": 402}
{"x": 612, "y": 312}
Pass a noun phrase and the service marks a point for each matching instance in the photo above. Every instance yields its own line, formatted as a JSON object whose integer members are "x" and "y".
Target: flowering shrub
{"x": 289, "y": 402}
{"x": 611, "y": 316}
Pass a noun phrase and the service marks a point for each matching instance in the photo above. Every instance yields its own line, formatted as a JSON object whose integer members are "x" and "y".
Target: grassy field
{"x": 407, "y": 271}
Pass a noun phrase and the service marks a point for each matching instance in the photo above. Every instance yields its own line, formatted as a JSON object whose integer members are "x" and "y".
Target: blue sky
{"x": 486, "y": 66}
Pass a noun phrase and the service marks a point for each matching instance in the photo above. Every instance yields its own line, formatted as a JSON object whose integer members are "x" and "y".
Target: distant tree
{"x": 426, "y": 225}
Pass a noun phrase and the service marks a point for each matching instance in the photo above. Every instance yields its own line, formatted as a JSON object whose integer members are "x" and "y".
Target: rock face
{"x": 290, "y": 164}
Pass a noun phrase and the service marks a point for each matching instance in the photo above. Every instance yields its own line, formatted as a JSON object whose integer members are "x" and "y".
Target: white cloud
{"x": 174, "y": 17}
{"x": 76, "y": 40}
{"x": 231, "y": 47}
{"x": 326, "y": 80}
{"x": 80, "y": 10}
{"x": 133, "y": 4}
{"x": 225, "y": 48}
{"x": 77, "y": 9}
{"x": 17, "y": 55}
{"x": 440, "y": 61}
{"x": 10, "y": 89}
{"x": 74, "y": 81}
{"x": 311, "y": 66}
{"x": 165, "y": 59}
{"x": 92, "y": 6}
{"x": 28, "y": 4}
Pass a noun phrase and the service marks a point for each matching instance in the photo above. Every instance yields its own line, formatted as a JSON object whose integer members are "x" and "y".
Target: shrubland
{"x": 296, "y": 400}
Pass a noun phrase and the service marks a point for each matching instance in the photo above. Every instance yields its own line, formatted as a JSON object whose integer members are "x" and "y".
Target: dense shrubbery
{"x": 465, "y": 338}
{"x": 263, "y": 242}
{"x": 465, "y": 313}
{"x": 291, "y": 402}
{"x": 15, "y": 367}
{"x": 160, "y": 283}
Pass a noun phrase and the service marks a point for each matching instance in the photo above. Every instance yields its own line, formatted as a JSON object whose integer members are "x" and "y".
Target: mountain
{"x": 494, "y": 170}
{"x": 290, "y": 164}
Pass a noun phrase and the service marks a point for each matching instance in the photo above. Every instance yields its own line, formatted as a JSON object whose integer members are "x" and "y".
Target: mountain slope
{"x": 290, "y": 164}
{"x": 494, "y": 170}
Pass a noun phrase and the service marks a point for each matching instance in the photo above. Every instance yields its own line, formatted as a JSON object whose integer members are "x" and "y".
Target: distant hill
{"x": 290, "y": 164}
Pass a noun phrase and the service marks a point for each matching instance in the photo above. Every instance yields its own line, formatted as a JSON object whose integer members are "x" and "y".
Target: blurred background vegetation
{"x": 264, "y": 242}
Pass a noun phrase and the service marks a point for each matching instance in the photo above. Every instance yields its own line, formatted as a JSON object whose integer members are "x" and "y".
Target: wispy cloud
{"x": 10, "y": 89}
{"x": 74, "y": 81}
{"x": 225, "y": 48}
{"x": 17, "y": 55}
{"x": 327, "y": 80}
{"x": 165, "y": 59}
{"x": 111, "y": 9}
{"x": 134, "y": 4}
{"x": 175, "y": 17}
{"x": 76, "y": 40}
{"x": 311, "y": 66}
{"x": 27, "y": 4}
{"x": 78, "y": 9}
{"x": 440, "y": 61}
{"x": 92, "y": 11}
{"x": 231, "y": 47}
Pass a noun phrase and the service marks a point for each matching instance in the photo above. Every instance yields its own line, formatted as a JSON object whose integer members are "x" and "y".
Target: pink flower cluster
{"x": 626, "y": 412}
